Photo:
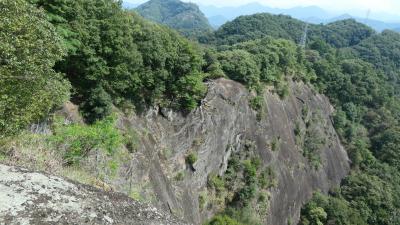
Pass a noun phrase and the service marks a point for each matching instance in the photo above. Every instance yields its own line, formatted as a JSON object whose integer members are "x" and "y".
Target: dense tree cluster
{"x": 29, "y": 48}
{"x": 342, "y": 33}
{"x": 367, "y": 120}
{"x": 246, "y": 28}
{"x": 339, "y": 34}
{"x": 116, "y": 57}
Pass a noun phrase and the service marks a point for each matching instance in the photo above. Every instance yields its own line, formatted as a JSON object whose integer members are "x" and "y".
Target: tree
{"x": 240, "y": 66}
{"x": 29, "y": 48}
{"x": 115, "y": 56}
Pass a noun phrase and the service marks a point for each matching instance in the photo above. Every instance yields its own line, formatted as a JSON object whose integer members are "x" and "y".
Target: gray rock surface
{"x": 218, "y": 128}
{"x": 36, "y": 198}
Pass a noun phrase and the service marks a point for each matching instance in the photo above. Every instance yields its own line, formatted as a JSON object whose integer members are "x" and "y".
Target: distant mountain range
{"x": 312, "y": 14}
{"x": 376, "y": 24}
{"x": 229, "y": 13}
{"x": 218, "y": 16}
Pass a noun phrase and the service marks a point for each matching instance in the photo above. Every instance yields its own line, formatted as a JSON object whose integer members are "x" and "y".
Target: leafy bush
{"x": 222, "y": 220}
{"x": 240, "y": 66}
{"x": 78, "y": 140}
{"x": 216, "y": 182}
{"x": 191, "y": 159}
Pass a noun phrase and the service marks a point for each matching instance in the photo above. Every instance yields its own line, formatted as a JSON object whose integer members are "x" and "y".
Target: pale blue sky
{"x": 388, "y": 6}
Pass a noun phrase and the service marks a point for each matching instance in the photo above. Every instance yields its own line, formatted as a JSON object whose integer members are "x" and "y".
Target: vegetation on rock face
{"x": 78, "y": 140}
{"x": 184, "y": 17}
{"x": 242, "y": 192}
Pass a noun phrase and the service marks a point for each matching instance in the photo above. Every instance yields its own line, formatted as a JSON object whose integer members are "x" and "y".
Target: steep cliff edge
{"x": 37, "y": 198}
{"x": 172, "y": 159}
{"x": 283, "y": 139}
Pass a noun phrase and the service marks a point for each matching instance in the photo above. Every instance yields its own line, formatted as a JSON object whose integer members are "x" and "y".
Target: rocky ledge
{"x": 36, "y": 198}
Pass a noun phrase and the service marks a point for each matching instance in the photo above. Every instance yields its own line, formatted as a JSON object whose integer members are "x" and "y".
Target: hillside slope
{"x": 339, "y": 34}
{"x": 184, "y": 17}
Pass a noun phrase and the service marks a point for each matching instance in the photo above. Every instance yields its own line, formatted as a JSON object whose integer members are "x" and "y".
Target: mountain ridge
{"x": 313, "y": 14}
{"x": 187, "y": 18}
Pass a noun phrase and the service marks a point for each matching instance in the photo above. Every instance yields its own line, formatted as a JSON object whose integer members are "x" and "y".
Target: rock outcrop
{"x": 37, "y": 198}
{"x": 219, "y": 128}
{"x": 294, "y": 137}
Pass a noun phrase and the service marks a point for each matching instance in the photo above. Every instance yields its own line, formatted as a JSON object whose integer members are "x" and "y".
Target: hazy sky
{"x": 389, "y": 6}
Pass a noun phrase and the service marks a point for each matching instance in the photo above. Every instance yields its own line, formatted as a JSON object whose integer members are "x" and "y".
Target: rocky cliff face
{"x": 293, "y": 137}
{"x": 218, "y": 129}
{"x": 36, "y": 198}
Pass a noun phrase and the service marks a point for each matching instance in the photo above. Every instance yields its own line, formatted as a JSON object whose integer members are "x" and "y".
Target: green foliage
{"x": 243, "y": 187}
{"x": 239, "y": 65}
{"x": 313, "y": 144}
{"x": 257, "y": 103}
{"x": 342, "y": 33}
{"x": 276, "y": 58}
{"x": 386, "y": 146}
{"x": 78, "y": 140}
{"x": 382, "y": 51}
{"x": 184, "y": 17}
{"x": 115, "y": 56}
{"x": 29, "y": 48}
{"x": 222, "y": 220}
{"x": 216, "y": 183}
{"x": 179, "y": 176}
{"x": 367, "y": 122}
{"x": 191, "y": 159}
{"x": 275, "y": 144}
{"x": 245, "y": 28}
{"x": 313, "y": 215}
{"x": 267, "y": 178}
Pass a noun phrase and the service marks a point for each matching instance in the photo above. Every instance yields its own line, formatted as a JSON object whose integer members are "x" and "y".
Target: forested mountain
{"x": 339, "y": 34}
{"x": 184, "y": 17}
{"x": 357, "y": 69}
{"x": 246, "y": 28}
{"x": 217, "y": 132}
{"x": 311, "y": 14}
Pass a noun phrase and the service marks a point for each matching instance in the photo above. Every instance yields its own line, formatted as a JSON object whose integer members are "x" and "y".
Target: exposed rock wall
{"x": 36, "y": 198}
{"x": 218, "y": 128}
